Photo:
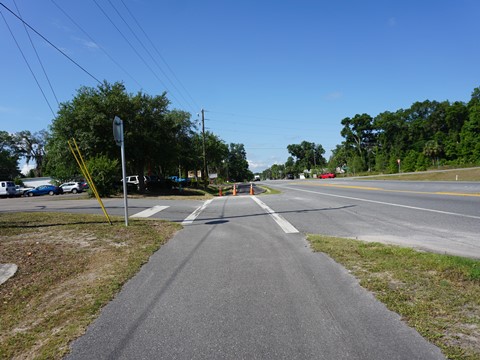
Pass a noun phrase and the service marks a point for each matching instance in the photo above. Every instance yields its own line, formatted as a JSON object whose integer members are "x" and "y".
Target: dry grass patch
{"x": 438, "y": 295}
{"x": 69, "y": 266}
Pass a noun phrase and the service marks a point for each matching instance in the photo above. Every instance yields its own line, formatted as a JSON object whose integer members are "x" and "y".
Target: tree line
{"x": 158, "y": 140}
{"x": 428, "y": 134}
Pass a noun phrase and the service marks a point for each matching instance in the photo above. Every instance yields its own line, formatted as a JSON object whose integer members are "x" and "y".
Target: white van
{"x": 7, "y": 188}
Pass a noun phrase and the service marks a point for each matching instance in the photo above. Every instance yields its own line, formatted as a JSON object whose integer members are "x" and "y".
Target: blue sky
{"x": 268, "y": 72}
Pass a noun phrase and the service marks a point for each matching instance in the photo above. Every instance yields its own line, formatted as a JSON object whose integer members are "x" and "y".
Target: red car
{"x": 327, "y": 176}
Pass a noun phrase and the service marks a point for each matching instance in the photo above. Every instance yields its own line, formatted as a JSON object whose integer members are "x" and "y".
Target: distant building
{"x": 34, "y": 182}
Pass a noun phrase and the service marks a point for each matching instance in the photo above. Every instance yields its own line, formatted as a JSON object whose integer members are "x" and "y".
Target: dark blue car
{"x": 44, "y": 190}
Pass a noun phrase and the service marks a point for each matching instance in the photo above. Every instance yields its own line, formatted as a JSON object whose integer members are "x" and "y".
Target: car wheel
{"x": 30, "y": 194}
{"x": 51, "y": 193}
{"x": 74, "y": 191}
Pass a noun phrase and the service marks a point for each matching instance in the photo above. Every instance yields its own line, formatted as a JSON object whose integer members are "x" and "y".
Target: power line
{"x": 150, "y": 54}
{"x": 38, "y": 56}
{"x": 50, "y": 43}
{"x": 95, "y": 42}
{"x": 28, "y": 65}
{"x": 159, "y": 54}
{"x": 134, "y": 49}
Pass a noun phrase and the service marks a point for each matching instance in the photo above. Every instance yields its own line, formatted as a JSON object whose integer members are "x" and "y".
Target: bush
{"x": 104, "y": 173}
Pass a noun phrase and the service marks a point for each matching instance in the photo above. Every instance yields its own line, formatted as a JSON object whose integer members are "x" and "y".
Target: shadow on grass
{"x": 32, "y": 225}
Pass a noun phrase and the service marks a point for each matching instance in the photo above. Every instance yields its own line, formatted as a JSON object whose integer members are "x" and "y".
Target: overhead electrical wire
{"x": 28, "y": 65}
{"x": 136, "y": 51}
{"x": 150, "y": 54}
{"x": 51, "y": 44}
{"x": 159, "y": 54}
{"x": 96, "y": 43}
{"x": 38, "y": 56}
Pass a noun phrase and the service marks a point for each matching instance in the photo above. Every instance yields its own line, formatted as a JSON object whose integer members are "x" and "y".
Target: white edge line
{"x": 284, "y": 224}
{"x": 389, "y": 204}
{"x": 149, "y": 212}
{"x": 191, "y": 218}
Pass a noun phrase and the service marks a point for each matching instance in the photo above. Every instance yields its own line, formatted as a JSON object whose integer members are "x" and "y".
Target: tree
{"x": 238, "y": 164}
{"x": 32, "y": 147}
{"x": 470, "y": 133}
{"x": 358, "y": 132}
{"x": 88, "y": 119}
{"x": 277, "y": 171}
{"x": 105, "y": 174}
{"x": 154, "y": 136}
{"x": 290, "y": 166}
{"x": 8, "y": 157}
{"x": 307, "y": 155}
{"x": 433, "y": 150}
{"x": 216, "y": 152}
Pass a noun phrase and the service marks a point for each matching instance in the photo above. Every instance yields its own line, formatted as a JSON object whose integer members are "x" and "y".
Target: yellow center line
{"x": 395, "y": 191}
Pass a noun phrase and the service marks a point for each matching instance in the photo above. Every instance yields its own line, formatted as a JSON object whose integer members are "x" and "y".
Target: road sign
{"x": 118, "y": 130}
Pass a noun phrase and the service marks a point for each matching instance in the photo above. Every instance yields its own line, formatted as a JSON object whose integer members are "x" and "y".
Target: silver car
{"x": 73, "y": 187}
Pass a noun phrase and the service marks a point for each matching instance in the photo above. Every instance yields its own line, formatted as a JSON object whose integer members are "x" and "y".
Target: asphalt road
{"x": 239, "y": 283}
{"x": 434, "y": 216}
{"x": 442, "y": 217}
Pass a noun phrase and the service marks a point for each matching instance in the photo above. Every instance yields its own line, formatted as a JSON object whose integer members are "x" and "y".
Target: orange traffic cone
{"x": 251, "y": 189}
{"x": 220, "y": 191}
{"x": 234, "y": 190}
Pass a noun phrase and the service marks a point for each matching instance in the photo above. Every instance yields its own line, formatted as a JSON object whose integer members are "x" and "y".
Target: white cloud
{"x": 255, "y": 166}
{"x": 90, "y": 44}
{"x": 334, "y": 95}
{"x": 87, "y": 43}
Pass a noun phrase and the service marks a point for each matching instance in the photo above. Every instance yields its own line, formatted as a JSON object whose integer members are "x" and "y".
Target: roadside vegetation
{"x": 69, "y": 266}
{"x": 160, "y": 141}
{"x": 469, "y": 174}
{"x": 427, "y": 135}
{"x": 270, "y": 191}
{"x": 438, "y": 295}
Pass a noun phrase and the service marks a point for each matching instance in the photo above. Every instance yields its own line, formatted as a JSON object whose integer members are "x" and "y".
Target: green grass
{"x": 69, "y": 266}
{"x": 438, "y": 295}
{"x": 270, "y": 191}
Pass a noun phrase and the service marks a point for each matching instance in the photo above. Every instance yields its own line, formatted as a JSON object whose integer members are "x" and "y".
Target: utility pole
{"x": 204, "y": 172}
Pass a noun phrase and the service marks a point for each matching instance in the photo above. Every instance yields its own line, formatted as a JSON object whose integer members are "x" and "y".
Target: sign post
{"x": 118, "y": 136}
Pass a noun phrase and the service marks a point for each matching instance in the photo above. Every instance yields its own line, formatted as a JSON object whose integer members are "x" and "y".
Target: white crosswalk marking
{"x": 190, "y": 218}
{"x": 149, "y": 212}
{"x": 284, "y": 224}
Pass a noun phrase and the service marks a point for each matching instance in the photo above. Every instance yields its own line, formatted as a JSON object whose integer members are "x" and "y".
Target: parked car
{"x": 327, "y": 176}
{"x": 44, "y": 190}
{"x": 7, "y": 188}
{"x": 21, "y": 190}
{"x": 180, "y": 181}
{"x": 72, "y": 187}
{"x": 133, "y": 179}
{"x": 290, "y": 177}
